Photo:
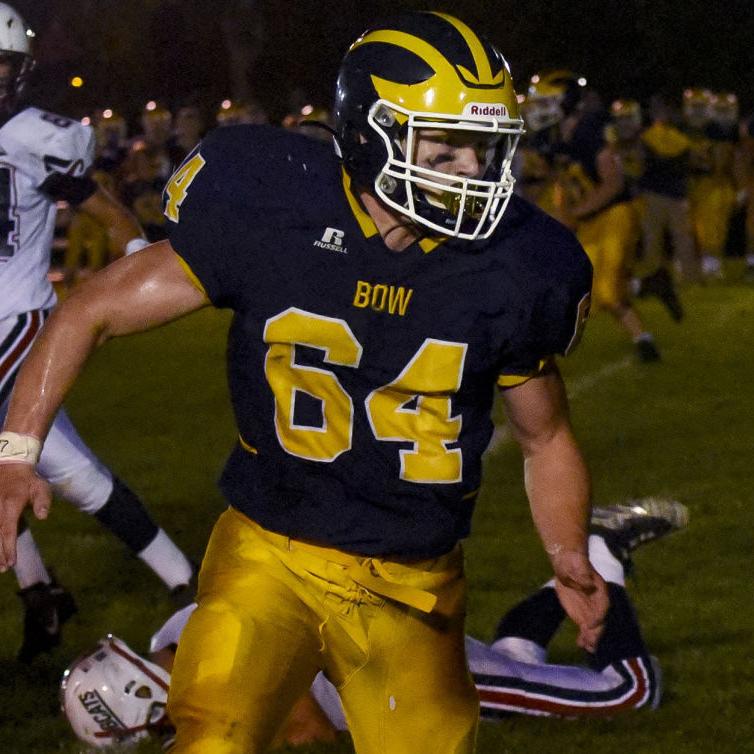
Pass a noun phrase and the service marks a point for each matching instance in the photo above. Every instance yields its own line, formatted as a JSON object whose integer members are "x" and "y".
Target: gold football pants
{"x": 274, "y": 611}
{"x": 609, "y": 239}
{"x": 713, "y": 201}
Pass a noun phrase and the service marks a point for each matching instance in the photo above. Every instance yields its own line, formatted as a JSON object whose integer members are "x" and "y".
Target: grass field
{"x": 154, "y": 407}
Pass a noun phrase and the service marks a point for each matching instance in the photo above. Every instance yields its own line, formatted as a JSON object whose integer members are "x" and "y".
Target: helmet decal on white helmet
{"x": 112, "y": 694}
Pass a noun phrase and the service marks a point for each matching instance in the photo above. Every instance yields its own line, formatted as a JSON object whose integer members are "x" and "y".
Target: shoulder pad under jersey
{"x": 40, "y": 143}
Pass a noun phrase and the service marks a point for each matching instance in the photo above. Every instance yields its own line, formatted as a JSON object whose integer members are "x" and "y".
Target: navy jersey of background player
{"x": 362, "y": 378}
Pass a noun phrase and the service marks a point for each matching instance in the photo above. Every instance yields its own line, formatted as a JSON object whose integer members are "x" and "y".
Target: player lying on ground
{"x": 113, "y": 694}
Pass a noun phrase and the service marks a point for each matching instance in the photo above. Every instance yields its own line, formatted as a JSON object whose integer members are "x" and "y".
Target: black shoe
{"x": 647, "y": 351}
{"x": 660, "y": 284}
{"x": 46, "y": 608}
{"x": 626, "y": 527}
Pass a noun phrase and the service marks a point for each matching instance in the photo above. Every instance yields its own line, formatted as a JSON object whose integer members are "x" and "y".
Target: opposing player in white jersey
{"x": 44, "y": 158}
{"x": 114, "y": 695}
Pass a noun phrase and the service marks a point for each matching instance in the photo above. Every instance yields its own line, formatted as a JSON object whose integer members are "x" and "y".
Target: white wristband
{"x": 136, "y": 244}
{"x": 15, "y": 448}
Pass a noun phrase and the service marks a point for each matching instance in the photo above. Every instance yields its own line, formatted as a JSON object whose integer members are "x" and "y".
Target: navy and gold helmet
{"x": 428, "y": 74}
{"x": 551, "y": 96}
{"x": 627, "y": 117}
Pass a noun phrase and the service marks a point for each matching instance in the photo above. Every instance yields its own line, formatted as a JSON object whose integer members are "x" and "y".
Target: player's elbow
{"x": 85, "y": 313}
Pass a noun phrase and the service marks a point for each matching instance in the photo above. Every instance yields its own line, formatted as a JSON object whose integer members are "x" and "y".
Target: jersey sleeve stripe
{"x": 512, "y": 380}
{"x": 190, "y": 273}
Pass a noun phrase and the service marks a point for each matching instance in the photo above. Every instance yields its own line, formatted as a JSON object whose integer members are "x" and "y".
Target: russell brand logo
{"x": 332, "y": 239}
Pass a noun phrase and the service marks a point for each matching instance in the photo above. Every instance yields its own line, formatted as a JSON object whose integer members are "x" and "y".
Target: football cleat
{"x": 660, "y": 284}
{"x": 626, "y": 527}
{"x": 46, "y": 608}
{"x": 646, "y": 351}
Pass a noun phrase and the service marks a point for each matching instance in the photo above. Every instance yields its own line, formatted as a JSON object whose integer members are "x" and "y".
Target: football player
{"x": 714, "y": 195}
{"x": 379, "y": 294}
{"x": 112, "y": 695}
{"x": 665, "y": 207}
{"x": 44, "y": 159}
{"x": 592, "y": 196}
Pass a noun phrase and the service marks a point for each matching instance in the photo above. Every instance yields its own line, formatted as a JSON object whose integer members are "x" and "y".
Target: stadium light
{"x": 77, "y": 82}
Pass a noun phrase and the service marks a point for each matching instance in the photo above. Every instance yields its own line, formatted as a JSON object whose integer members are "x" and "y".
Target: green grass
{"x": 154, "y": 407}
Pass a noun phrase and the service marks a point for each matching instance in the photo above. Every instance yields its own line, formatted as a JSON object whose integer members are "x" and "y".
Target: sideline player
{"x": 44, "y": 158}
{"x": 103, "y": 699}
{"x": 591, "y": 194}
{"x": 378, "y": 300}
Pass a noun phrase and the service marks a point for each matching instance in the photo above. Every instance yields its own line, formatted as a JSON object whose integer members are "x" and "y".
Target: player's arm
{"x": 124, "y": 234}
{"x": 610, "y": 185}
{"x": 133, "y": 294}
{"x": 558, "y": 487}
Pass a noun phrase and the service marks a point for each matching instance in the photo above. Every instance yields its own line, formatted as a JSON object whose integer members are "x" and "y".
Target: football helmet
{"x": 15, "y": 52}
{"x": 626, "y": 114}
{"x": 112, "y": 695}
{"x": 551, "y": 96}
{"x": 696, "y": 107}
{"x": 723, "y": 109}
{"x": 428, "y": 76}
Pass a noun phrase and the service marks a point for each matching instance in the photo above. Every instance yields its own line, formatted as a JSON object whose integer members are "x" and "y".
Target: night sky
{"x": 177, "y": 51}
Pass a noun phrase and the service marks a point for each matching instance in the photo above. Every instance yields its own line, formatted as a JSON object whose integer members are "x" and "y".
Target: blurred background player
{"x": 87, "y": 248}
{"x": 44, "y": 159}
{"x": 236, "y": 112}
{"x": 745, "y": 168}
{"x": 188, "y": 129}
{"x": 665, "y": 213}
{"x": 146, "y": 169}
{"x": 713, "y": 194}
{"x": 113, "y": 695}
{"x": 589, "y": 192}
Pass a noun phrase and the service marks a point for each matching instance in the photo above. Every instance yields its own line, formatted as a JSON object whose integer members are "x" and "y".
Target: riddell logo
{"x": 479, "y": 108}
{"x": 332, "y": 239}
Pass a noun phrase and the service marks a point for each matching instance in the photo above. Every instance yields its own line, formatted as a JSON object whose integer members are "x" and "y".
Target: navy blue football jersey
{"x": 361, "y": 378}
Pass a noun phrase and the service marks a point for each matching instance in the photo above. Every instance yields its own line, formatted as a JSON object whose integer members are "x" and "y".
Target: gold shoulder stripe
{"x": 368, "y": 228}
{"x": 190, "y": 274}
{"x": 485, "y": 75}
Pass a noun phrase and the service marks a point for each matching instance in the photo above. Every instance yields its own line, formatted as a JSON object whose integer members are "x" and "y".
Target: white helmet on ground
{"x": 15, "y": 50}
{"x": 113, "y": 695}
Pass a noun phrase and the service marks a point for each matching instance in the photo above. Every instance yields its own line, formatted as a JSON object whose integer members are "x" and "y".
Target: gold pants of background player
{"x": 273, "y": 612}
{"x": 609, "y": 239}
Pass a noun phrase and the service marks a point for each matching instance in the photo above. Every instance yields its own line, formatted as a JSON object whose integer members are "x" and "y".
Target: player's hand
{"x": 583, "y": 595}
{"x": 19, "y": 486}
